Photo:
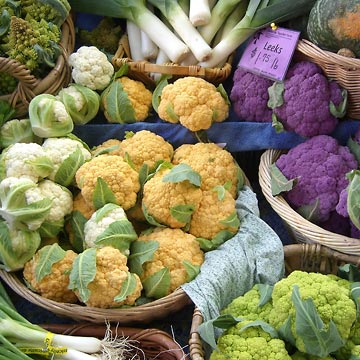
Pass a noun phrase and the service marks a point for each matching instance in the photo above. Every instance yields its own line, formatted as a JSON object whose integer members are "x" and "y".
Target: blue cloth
{"x": 238, "y": 135}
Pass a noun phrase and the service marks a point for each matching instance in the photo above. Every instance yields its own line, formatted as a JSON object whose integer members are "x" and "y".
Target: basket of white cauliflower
{"x": 112, "y": 232}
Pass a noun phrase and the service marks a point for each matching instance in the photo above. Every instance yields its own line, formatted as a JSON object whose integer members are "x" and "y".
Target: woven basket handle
{"x": 27, "y": 82}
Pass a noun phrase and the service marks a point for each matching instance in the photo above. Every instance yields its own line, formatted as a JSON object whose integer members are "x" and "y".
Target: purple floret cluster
{"x": 320, "y": 164}
{"x": 307, "y": 96}
{"x": 249, "y": 96}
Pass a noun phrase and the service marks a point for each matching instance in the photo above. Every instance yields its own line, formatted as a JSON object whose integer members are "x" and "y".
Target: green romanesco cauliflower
{"x": 247, "y": 306}
{"x": 7, "y": 83}
{"x": 252, "y": 343}
{"x": 54, "y": 11}
{"x": 330, "y": 297}
{"x": 352, "y": 345}
{"x": 33, "y": 44}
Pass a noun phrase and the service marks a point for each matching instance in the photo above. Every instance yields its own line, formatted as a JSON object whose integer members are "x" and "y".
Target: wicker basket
{"x": 307, "y": 257}
{"x": 345, "y": 70}
{"x": 28, "y": 85}
{"x": 141, "y": 314}
{"x": 151, "y": 343}
{"x": 302, "y": 230}
{"x": 141, "y": 70}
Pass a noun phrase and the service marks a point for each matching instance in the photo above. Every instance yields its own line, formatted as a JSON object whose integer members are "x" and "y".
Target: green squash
{"x": 335, "y": 24}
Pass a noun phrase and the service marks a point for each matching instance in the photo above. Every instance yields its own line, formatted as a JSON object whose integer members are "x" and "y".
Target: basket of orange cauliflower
{"x": 113, "y": 231}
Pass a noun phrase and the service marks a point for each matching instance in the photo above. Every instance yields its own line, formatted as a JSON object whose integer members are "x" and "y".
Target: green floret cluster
{"x": 30, "y": 32}
{"x": 32, "y": 43}
{"x": 7, "y": 83}
{"x": 305, "y": 316}
{"x": 51, "y": 11}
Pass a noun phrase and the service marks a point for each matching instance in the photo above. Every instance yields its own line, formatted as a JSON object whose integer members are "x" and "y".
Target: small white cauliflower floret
{"x": 91, "y": 68}
{"x": 27, "y": 160}
{"x": 109, "y": 225}
{"x": 61, "y": 197}
{"x": 76, "y": 95}
{"x": 59, "y": 149}
{"x": 60, "y": 112}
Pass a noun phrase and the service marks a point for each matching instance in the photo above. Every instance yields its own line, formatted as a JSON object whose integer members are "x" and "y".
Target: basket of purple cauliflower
{"x": 306, "y": 102}
{"x": 315, "y": 188}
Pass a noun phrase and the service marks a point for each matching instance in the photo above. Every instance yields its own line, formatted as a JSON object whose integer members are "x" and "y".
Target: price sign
{"x": 269, "y": 52}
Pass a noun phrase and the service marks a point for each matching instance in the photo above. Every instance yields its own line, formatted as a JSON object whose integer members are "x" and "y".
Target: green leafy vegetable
{"x": 157, "y": 285}
{"x": 279, "y": 183}
{"x": 83, "y": 272}
{"x": 181, "y": 173}
{"x": 141, "y": 251}
{"x": 318, "y": 339}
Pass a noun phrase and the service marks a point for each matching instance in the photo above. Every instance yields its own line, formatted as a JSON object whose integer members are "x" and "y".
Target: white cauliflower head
{"x": 109, "y": 225}
{"x": 91, "y": 68}
{"x": 26, "y": 160}
{"x": 59, "y": 149}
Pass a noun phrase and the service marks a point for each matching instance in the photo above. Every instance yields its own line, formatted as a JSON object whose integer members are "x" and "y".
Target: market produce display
{"x": 122, "y": 216}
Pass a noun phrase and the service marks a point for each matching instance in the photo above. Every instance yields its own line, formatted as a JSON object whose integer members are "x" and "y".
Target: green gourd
{"x": 335, "y": 24}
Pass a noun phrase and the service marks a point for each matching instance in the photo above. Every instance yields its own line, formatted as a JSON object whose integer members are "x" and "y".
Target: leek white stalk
{"x": 18, "y": 336}
{"x": 134, "y": 36}
{"x": 259, "y": 14}
{"x": 231, "y": 21}
{"x": 37, "y": 336}
{"x": 149, "y": 49}
{"x": 137, "y": 12}
{"x": 199, "y": 13}
{"x": 219, "y": 13}
{"x": 183, "y": 27}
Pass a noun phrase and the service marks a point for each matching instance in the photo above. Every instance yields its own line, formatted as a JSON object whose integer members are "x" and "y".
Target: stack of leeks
{"x": 190, "y": 32}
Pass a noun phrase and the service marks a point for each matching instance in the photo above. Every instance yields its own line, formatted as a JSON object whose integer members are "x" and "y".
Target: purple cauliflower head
{"x": 341, "y": 207}
{"x": 320, "y": 165}
{"x": 308, "y": 104}
{"x": 249, "y": 96}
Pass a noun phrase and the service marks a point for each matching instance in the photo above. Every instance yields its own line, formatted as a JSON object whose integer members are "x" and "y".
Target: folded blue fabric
{"x": 238, "y": 135}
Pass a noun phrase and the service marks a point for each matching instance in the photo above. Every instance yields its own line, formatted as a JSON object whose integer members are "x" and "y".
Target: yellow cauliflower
{"x": 215, "y": 165}
{"x": 174, "y": 247}
{"x": 146, "y": 147}
{"x": 119, "y": 176}
{"x": 132, "y": 96}
{"x": 53, "y": 286}
{"x": 110, "y": 146}
{"x": 214, "y": 214}
{"x": 111, "y": 272}
{"x": 162, "y": 198}
{"x": 193, "y": 102}
{"x": 79, "y": 204}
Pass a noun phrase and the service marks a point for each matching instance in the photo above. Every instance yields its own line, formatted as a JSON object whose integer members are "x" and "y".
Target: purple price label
{"x": 269, "y": 52}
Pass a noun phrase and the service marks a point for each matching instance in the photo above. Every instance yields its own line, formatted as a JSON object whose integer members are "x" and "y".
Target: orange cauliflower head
{"x": 216, "y": 165}
{"x": 53, "y": 286}
{"x": 193, "y": 102}
{"x": 214, "y": 214}
{"x": 146, "y": 147}
{"x": 175, "y": 247}
{"x": 161, "y": 198}
{"x": 119, "y": 176}
{"x": 111, "y": 273}
{"x": 110, "y": 146}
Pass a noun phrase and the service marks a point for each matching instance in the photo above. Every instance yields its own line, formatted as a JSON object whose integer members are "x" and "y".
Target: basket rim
{"x": 145, "y": 313}
{"x": 313, "y": 232}
{"x": 307, "y": 47}
{"x": 143, "y": 68}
